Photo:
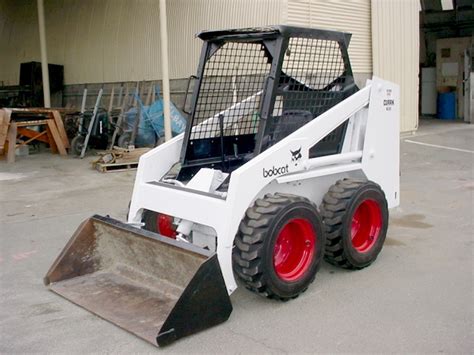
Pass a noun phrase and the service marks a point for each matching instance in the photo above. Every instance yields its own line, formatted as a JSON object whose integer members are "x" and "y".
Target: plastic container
{"x": 447, "y": 106}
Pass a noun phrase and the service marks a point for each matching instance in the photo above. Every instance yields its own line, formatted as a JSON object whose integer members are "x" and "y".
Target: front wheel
{"x": 279, "y": 246}
{"x": 355, "y": 215}
{"x": 77, "y": 143}
{"x": 159, "y": 223}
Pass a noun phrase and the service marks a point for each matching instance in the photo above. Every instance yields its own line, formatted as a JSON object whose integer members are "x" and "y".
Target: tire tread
{"x": 333, "y": 208}
{"x": 248, "y": 251}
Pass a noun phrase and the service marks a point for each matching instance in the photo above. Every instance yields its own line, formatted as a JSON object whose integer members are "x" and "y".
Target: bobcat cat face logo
{"x": 296, "y": 155}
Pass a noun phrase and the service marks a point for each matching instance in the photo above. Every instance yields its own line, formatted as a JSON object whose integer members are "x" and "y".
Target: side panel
{"x": 245, "y": 185}
{"x": 381, "y": 152}
{"x": 152, "y": 166}
{"x": 313, "y": 189}
{"x": 251, "y": 178}
{"x": 377, "y": 134}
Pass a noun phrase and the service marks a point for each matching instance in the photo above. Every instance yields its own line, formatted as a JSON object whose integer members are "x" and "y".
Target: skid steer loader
{"x": 284, "y": 162}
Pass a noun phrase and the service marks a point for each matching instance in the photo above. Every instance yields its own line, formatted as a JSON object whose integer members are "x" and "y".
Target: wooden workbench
{"x": 15, "y": 123}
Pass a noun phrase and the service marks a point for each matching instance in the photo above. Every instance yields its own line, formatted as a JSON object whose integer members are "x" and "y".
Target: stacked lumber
{"x": 118, "y": 159}
{"x": 4, "y": 124}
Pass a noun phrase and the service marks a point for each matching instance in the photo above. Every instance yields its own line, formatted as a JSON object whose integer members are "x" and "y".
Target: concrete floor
{"x": 417, "y": 297}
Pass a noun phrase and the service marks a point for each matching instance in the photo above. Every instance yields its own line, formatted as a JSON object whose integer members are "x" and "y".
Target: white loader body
{"x": 370, "y": 151}
{"x": 284, "y": 162}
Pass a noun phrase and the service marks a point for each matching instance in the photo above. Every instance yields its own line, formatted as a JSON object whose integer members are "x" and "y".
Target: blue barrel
{"x": 447, "y": 106}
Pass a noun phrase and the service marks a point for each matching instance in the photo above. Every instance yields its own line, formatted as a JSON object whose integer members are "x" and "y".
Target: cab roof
{"x": 266, "y": 32}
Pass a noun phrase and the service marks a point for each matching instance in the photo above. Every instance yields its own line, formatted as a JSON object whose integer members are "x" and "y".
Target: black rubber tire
{"x": 337, "y": 209}
{"x": 76, "y": 145}
{"x": 124, "y": 140}
{"x": 255, "y": 242}
{"x": 150, "y": 219}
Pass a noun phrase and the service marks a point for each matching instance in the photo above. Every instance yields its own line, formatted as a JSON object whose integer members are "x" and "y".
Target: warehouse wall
{"x": 348, "y": 16}
{"x": 19, "y": 39}
{"x": 395, "y": 36}
{"x": 119, "y": 40}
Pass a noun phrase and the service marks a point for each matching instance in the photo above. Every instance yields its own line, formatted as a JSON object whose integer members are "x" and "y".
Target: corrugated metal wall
{"x": 19, "y": 39}
{"x": 119, "y": 40}
{"x": 101, "y": 41}
{"x": 188, "y": 17}
{"x": 395, "y": 41}
{"x": 344, "y": 15}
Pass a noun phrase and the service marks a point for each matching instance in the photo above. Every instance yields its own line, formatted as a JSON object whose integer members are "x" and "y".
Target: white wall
{"x": 396, "y": 48}
{"x": 342, "y": 15}
{"x": 19, "y": 38}
{"x": 118, "y": 40}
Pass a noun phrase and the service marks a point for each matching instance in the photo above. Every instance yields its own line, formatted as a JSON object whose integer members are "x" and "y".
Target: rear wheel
{"x": 124, "y": 140}
{"x": 278, "y": 248}
{"x": 77, "y": 143}
{"x": 355, "y": 215}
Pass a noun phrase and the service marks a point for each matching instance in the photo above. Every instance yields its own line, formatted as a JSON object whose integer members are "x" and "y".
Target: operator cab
{"x": 256, "y": 86}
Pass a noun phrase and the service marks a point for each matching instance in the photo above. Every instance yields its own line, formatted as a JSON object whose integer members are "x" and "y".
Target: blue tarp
{"x": 152, "y": 126}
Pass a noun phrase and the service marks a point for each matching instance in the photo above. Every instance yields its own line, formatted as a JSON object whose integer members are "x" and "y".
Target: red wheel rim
{"x": 366, "y": 225}
{"x": 294, "y": 249}
{"x": 165, "y": 225}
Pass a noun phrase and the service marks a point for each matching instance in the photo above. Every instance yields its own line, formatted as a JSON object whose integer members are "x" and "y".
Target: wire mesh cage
{"x": 312, "y": 80}
{"x": 231, "y": 86}
{"x": 257, "y": 86}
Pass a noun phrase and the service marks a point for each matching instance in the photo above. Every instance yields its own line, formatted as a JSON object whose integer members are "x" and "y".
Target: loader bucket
{"x": 157, "y": 288}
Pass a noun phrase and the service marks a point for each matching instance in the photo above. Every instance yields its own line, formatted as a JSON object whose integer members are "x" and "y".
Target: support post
{"x": 44, "y": 55}
{"x": 12, "y": 133}
{"x": 164, "y": 70}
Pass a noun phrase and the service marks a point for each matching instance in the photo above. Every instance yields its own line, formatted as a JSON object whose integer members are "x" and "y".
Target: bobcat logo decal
{"x": 296, "y": 155}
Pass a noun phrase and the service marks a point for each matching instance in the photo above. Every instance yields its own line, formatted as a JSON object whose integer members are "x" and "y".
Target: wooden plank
{"x": 52, "y": 144}
{"x": 37, "y": 137}
{"x": 133, "y": 155}
{"x": 119, "y": 159}
{"x": 121, "y": 156}
{"x": 33, "y": 135}
{"x": 127, "y": 97}
{"x": 141, "y": 92}
{"x": 116, "y": 167}
{"x": 148, "y": 96}
{"x": 120, "y": 96}
{"x": 135, "y": 94}
{"x": 12, "y": 131}
{"x": 57, "y": 138}
{"x": 153, "y": 94}
{"x": 42, "y": 109}
{"x": 111, "y": 102}
{"x": 31, "y": 123}
{"x": 60, "y": 126}
{"x": 5, "y": 115}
